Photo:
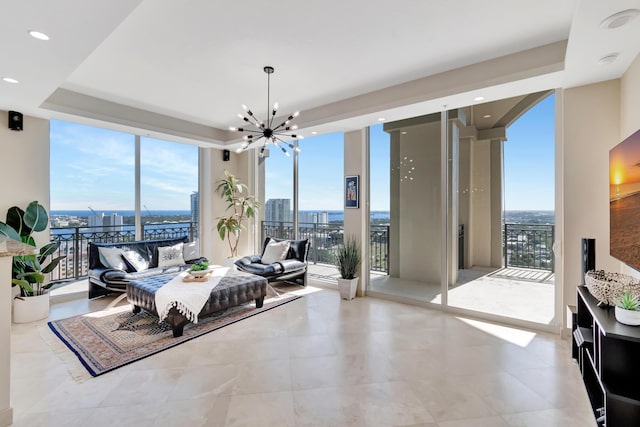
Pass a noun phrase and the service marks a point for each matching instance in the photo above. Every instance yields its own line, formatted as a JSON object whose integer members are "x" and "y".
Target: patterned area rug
{"x": 108, "y": 339}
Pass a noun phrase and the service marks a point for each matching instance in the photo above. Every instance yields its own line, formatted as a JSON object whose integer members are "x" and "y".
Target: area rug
{"x": 111, "y": 338}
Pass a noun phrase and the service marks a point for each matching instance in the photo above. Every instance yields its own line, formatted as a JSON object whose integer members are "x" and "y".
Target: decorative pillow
{"x": 275, "y": 251}
{"x": 191, "y": 251}
{"x": 111, "y": 258}
{"x": 170, "y": 255}
{"x": 135, "y": 261}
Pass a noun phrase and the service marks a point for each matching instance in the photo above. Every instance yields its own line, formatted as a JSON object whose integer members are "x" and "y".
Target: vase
{"x": 348, "y": 288}
{"x": 30, "y": 309}
{"x": 627, "y": 317}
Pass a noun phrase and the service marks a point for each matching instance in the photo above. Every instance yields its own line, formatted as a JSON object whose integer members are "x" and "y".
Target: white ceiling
{"x": 184, "y": 68}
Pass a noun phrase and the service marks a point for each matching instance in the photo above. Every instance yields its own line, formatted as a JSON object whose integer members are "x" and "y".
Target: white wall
{"x": 25, "y": 177}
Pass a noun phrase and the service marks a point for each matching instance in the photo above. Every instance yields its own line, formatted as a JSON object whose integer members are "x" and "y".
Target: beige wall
{"x": 356, "y": 220}
{"x": 241, "y": 166}
{"x": 481, "y": 203}
{"x": 596, "y": 118}
{"x": 419, "y": 204}
{"x": 591, "y": 127}
{"x": 630, "y": 114}
{"x": 25, "y": 177}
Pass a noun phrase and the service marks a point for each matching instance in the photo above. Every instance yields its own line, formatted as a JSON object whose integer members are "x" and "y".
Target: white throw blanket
{"x": 187, "y": 297}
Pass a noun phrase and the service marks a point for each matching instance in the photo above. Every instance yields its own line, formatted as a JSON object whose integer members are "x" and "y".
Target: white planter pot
{"x": 628, "y": 317}
{"x": 230, "y": 262}
{"x": 30, "y": 309}
{"x": 15, "y": 291}
{"x": 348, "y": 288}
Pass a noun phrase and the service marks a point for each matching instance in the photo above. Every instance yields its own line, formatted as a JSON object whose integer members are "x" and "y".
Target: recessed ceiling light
{"x": 619, "y": 19}
{"x": 381, "y": 119}
{"x": 608, "y": 59}
{"x": 9, "y": 80}
{"x": 38, "y": 35}
{"x": 404, "y": 132}
{"x": 478, "y": 98}
{"x": 314, "y": 133}
{"x": 487, "y": 116}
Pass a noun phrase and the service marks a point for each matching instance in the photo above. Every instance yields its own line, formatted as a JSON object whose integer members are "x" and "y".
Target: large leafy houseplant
{"x": 241, "y": 206}
{"x": 29, "y": 270}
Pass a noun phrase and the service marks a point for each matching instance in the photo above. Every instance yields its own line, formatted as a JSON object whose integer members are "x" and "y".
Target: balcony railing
{"x": 74, "y": 242}
{"x": 326, "y": 238}
{"x": 529, "y": 246}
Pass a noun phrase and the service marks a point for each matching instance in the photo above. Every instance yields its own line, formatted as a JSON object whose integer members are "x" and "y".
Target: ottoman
{"x": 235, "y": 288}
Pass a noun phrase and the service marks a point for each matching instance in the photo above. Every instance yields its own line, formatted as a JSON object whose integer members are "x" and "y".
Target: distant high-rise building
{"x": 307, "y": 219}
{"x": 102, "y": 222}
{"x": 195, "y": 207}
{"x": 278, "y": 210}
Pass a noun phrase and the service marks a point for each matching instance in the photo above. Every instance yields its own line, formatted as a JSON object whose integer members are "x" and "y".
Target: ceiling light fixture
{"x": 608, "y": 59}
{"x": 619, "y": 19}
{"x": 265, "y": 129}
{"x": 38, "y": 35}
{"x": 487, "y": 116}
{"x": 381, "y": 119}
{"x": 478, "y": 98}
{"x": 9, "y": 80}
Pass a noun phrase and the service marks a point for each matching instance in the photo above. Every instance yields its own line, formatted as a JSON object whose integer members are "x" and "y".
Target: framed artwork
{"x": 352, "y": 192}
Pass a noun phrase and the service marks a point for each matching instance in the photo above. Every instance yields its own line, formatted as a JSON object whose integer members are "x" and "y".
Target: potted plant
{"x": 28, "y": 271}
{"x": 348, "y": 262}
{"x": 628, "y": 309}
{"x": 241, "y": 205}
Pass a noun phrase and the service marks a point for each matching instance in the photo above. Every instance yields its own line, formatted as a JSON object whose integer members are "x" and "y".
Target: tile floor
{"x": 317, "y": 361}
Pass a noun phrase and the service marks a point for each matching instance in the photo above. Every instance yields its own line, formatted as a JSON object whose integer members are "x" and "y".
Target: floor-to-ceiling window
{"x": 93, "y": 190}
{"x": 278, "y": 205}
{"x": 409, "y": 160}
{"x": 506, "y": 211}
{"x": 168, "y": 188}
{"x": 379, "y": 219}
{"x": 320, "y": 199}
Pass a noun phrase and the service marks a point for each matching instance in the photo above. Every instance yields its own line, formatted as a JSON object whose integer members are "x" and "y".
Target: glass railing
{"x": 326, "y": 238}
{"x": 74, "y": 242}
{"x": 529, "y": 246}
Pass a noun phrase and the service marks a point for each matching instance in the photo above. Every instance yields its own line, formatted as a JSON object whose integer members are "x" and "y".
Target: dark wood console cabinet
{"x": 608, "y": 354}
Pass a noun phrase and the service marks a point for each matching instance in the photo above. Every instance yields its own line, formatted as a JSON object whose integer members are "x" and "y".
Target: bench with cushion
{"x": 235, "y": 288}
{"x": 280, "y": 260}
{"x": 113, "y": 265}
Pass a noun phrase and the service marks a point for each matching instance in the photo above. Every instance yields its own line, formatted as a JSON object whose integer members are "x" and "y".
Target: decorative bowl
{"x": 200, "y": 273}
{"x": 609, "y": 287}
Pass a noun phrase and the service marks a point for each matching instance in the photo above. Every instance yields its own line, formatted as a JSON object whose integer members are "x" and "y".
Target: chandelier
{"x": 266, "y": 130}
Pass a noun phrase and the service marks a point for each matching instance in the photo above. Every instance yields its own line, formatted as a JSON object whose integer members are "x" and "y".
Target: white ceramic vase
{"x": 627, "y": 317}
{"x": 348, "y": 288}
{"x": 30, "y": 309}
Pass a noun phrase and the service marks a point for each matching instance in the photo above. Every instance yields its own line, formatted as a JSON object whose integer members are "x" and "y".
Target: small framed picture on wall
{"x": 352, "y": 192}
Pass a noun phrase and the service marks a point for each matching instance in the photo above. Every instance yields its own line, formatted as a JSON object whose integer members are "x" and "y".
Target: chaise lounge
{"x": 280, "y": 260}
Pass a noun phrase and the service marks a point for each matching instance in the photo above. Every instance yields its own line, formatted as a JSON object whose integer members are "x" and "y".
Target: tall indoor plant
{"x": 29, "y": 271}
{"x": 348, "y": 262}
{"x": 240, "y": 205}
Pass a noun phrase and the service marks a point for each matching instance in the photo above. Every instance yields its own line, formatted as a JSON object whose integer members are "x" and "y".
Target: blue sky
{"x": 95, "y": 167}
{"x": 529, "y": 159}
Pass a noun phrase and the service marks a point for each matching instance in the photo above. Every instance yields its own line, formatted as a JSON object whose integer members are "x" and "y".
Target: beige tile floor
{"x": 318, "y": 361}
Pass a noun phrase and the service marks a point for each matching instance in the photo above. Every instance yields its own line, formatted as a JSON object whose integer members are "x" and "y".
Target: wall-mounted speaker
{"x": 226, "y": 155}
{"x": 588, "y": 256}
{"x": 15, "y": 121}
